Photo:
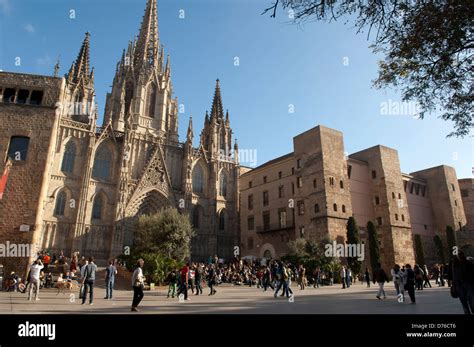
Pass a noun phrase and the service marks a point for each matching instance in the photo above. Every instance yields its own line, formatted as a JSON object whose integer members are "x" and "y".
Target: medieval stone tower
{"x": 98, "y": 180}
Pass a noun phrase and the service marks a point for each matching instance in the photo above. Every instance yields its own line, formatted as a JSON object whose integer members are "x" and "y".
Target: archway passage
{"x": 149, "y": 202}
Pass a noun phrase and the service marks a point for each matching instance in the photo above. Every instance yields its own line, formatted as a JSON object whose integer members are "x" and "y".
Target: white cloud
{"x": 5, "y": 6}
{"x": 29, "y": 27}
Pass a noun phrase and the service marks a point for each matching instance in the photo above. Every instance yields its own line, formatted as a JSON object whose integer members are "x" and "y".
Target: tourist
{"x": 367, "y": 277}
{"x": 198, "y": 279}
{"x": 211, "y": 276}
{"x": 138, "y": 283}
{"x": 34, "y": 279}
{"x": 172, "y": 279}
{"x": 380, "y": 277}
{"x": 397, "y": 277}
{"x": 88, "y": 281}
{"x": 110, "y": 272}
{"x": 343, "y": 277}
{"x": 302, "y": 276}
{"x": 410, "y": 282}
{"x": 418, "y": 277}
{"x": 461, "y": 278}
{"x": 441, "y": 275}
{"x": 279, "y": 278}
{"x": 184, "y": 281}
{"x": 267, "y": 279}
{"x": 348, "y": 277}
{"x": 316, "y": 277}
{"x": 426, "y": 277}
{"x": 192, "y": 274}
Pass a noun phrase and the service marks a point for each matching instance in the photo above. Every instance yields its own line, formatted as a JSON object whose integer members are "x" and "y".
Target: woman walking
{"x": 138, "y": 283}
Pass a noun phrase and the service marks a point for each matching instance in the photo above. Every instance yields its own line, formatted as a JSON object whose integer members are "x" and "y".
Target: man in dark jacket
{"x": 380, "y": 277}
{"x": 461, "y": 276}
{"x": 410, "y": 283}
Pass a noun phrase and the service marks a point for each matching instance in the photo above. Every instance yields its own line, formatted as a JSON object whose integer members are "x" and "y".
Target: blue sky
{"x": 321, "y": 70}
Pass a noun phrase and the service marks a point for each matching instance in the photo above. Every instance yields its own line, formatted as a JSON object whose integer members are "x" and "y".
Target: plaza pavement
{"x": 239, "y": 300}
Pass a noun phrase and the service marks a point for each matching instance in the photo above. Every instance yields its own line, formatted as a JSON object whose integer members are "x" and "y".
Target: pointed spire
{"x": 146, "y": 52}
{"x": 57, "y": 66}
{"x": 167, "y": 68}
{"x": 227, "y": 121}
{"x": 217, "y": 111}
{"x": 206, "y": 119}
{"x": 80, "y": 68}
{"x": 189, "y": 135}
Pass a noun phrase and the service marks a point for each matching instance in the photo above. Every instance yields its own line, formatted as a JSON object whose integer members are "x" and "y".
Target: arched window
{"x": 68, "y": 158}
{"x": 97, "y": 207}
{"x": 223, "y": 184}
{"x": 60, "y": 203}
{"x": 198, "y": 178}
{"x": 267, "y": 254}
{"x": 196, "y": 217}
{"x": 222, "y": 220}
{"x": 150, "y": 101}
{"x": 222, "y": 140}
{"x": 102, "y": 163}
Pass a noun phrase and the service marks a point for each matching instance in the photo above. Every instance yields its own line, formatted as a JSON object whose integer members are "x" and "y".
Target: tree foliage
{"x": 427, "y": 48}
{"x": 373, "y": 245}
{"x": 439, "y": 248}
{"x": 353, "y": 238}
{"x": 167, "y": 232}
{"x": 419, "y": 253}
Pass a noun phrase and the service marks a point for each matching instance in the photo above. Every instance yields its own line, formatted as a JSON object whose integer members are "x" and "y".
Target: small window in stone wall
{"x": 423, "y": 190}
{"x": 22, "y": 96}
{"x": 9, "y": 95}
{"x": 452, "y": 186}
{"x": 399, "y": 195}
{"x": 335, "y": 207}
{"x": 314, "y": 183}
{"x": 331, "y": 181}
{"x": 18, "y": 148}
{"x": 343, "y": 208}
{"x": 396, "y": 216}
{"x": 393, "y": 195}
{"x": 425, "y": 226}
{"x": 455, "y": 202}
{"x": 280, "y": 175}
{"x": 349, "y": 171}
{"x": 341, "y": 184}
{"x": 316, "y": 208}
{"x": 403, "y": 217}
{"x": 374, "y": 174}
{"x": 379, "y": 220}
{"x": 377, "y": 200}
{"x": 36, "y": 97}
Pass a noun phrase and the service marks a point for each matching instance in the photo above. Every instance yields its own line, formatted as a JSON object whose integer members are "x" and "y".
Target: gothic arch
{"x": 267, "y": 247}
{"x": 104, "y": 160}
{"x": 199, "y": 179}
{"x": 150, "y": 100}
{"x": 223, "y": 183}
{"x": 149, "y": 201}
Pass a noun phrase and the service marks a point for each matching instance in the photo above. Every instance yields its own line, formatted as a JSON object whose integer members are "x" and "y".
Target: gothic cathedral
{"x": 103, "y": 178}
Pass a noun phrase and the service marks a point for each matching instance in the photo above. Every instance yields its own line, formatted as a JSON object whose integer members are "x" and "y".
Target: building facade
{"x": 75, "y": 186}
{"x": 311, "y": 192}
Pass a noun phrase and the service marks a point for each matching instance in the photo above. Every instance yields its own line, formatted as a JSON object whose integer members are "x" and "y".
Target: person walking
{"x": 426, "y": 277}
{"x": 397, "y": 277}
{"x": 302, "y": 276}
{"x": 88, "y": 281}
{"x": 110, "y": 272}
{"x": 410, "y": 282}
{"x": 138, "y": 283}
{"x": 267, "y": 279}
{"x": 184, "y": 281}
{"x": 343, "y": 277}
{"x": 348, "y": 277}
{"x": 172, "y": 279}
{"x": 34, "y": 279}
{"x": 211, "y": 276}
{"x": 380, "y": 277}
{"x": 461, "y": 278}
{"x": 367, "y": 277}
{"x": 198, "y": 279}
{"x": 418, "y": 277}
{"x": 441, "y": 275}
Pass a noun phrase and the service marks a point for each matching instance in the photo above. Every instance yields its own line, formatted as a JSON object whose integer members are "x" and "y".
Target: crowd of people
{"x": 276, "y": 275}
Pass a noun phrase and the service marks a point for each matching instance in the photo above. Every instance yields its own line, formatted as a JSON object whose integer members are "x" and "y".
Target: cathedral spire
{"x": 80, "y": 68}
{"x": 217, "y": 111}
{"x": 189, "y": 135}
{"x": 146, "y": 52}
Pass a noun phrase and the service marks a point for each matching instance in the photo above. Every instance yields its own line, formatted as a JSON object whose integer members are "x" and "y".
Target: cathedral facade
{"x": 80, "y": 187}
